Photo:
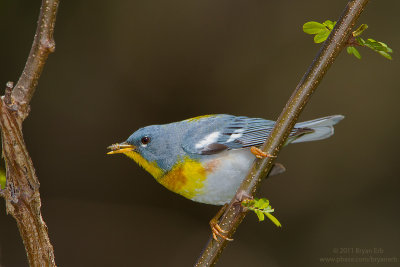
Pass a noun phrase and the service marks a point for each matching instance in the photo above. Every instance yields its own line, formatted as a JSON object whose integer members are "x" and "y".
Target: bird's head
{"x": 146, "y": 147}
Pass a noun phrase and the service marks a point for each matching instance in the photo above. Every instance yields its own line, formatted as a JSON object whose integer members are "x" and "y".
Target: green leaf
{"x": 329, "y": 24}
{"x": 360, "y": 41}
{"x": 374, "y": 45}
{"x": 260, "y": 215}
{"x": 322, "y": 36}
{"x": 322, "y": 31}
{"x": 360, "y": 30}
{"x": 261, "y": 208}
{"x": 388, "y": 49}
{"x": 354, "y": 51}
{"x": 379, "y": 47}
{"x": 262, "y": 203}
{"x": 2, "y": 179}
{"x": 273, "y": 219}
{"x": 385, "y": 54}
{"x": 313, "y": 27}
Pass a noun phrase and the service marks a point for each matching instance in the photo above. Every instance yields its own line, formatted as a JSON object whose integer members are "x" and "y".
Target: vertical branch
{"x": 306, "y": 87}
{"x": 22, "y": 187}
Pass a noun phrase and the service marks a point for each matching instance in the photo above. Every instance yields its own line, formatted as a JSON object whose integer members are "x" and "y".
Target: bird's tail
{"x": 323, "y": 128}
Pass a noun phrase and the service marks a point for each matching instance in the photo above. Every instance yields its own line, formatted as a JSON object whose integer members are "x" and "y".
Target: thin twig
{"x": 22, "y": 186}
{"x": 306, "y": 87}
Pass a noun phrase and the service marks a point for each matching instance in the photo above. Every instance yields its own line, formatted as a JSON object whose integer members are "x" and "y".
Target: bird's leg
{"x": 215, "y": 228}
{"x": 259, "y": 153}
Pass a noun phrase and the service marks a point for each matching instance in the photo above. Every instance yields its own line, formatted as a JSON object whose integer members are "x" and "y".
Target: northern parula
{"x": 206, "y": 158}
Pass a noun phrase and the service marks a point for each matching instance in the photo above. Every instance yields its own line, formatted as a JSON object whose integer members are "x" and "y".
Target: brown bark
{"x": 22, "y": 187}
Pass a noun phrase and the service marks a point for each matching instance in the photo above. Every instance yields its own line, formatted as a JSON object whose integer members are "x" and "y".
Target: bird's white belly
{"x": 226, "y": 172}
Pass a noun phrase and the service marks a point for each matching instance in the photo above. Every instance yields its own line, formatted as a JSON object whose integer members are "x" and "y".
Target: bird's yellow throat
{"x": 151, "y": 167}
{"x": 185, "y": 178}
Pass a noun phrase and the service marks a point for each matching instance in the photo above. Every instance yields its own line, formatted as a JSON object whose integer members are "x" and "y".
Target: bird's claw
{"x": 216, "y": 229}
{"x": 259, "y": 153}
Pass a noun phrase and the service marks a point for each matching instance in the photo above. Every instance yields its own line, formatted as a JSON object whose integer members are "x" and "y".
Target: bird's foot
{"x": 259, "y": 153}
{"x": 216, "y": 229}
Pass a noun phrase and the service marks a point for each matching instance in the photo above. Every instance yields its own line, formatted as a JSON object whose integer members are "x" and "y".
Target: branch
{"x": 330, "y": 50}
{"x": 43, "y": 45}
{"x": 22, "y": 186}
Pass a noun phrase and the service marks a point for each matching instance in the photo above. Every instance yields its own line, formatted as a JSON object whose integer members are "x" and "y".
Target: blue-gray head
{"x": 148, "y": 142}
{"x": 155, "y": 145}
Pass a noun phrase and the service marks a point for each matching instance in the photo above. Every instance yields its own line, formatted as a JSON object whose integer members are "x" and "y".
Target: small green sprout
{"x": 354, "y": 51}
{"x": 379, "y": 47}
{"x": 2, "y": 179}
{"x": 261, "y": 207}
{"x": 360, "y": 30}
{"x": 322, "y": 31}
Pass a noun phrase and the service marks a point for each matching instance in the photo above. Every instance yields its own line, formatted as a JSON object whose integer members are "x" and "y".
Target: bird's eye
{"x": 145, "y": 140}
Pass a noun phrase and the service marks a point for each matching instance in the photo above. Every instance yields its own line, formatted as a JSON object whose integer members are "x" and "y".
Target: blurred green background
{"x": 121, "y": 65}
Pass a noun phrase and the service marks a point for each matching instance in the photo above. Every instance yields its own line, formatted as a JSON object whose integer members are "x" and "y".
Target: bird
{"x": 206, "y": 158}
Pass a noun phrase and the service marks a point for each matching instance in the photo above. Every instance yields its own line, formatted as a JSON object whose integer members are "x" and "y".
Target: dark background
{"x": 121, "y": 65}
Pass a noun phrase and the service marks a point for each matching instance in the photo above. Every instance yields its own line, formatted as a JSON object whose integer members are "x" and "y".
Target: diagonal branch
{"x": 330, "y": 50}
{"x": 22, "y": 186}
{"x": 43, "y": 45}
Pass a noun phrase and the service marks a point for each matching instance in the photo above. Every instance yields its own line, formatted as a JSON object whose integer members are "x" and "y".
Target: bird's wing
{"x": 230, "y": 132}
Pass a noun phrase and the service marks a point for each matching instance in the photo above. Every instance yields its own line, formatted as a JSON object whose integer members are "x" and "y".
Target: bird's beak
{"x": 121, "y": 148}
